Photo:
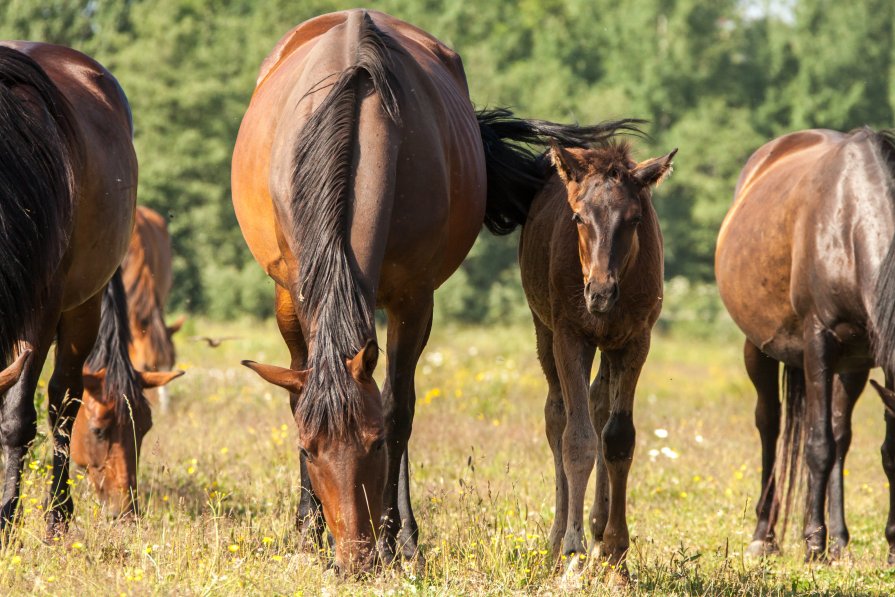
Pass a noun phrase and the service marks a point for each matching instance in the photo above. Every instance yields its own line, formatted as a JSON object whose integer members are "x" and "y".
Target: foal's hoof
{"x": 762, "y": 549}
{"x": 891, "y": 559}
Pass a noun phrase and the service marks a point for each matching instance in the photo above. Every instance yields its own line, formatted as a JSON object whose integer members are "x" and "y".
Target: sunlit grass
{"x": 219, "y": 484}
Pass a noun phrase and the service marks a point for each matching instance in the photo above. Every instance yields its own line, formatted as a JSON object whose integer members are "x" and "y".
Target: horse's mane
{"x": 327, "y": 291}
{"x": 121, "y": 383}
{"x": 883, "y": 309}
{"x": 517, "y": 171}
{"x": 146, "y": 307}
{"x": 36, "y": 187}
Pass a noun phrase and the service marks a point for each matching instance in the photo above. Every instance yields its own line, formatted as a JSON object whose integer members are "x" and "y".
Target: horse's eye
{"x": 99, "y": 432}
{"x": 377, "y": 445}
{"x": 304, "y": 454}
{"x": 636, "y": 220}
{"x": 576, "y": 217}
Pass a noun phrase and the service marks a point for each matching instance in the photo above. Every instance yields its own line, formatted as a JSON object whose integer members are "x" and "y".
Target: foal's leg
{"x": 574, "y": 357}
{"x": 409, "y": 323}
{"x": 309, "y": 519}
{"x": 555, "y": 419}
{"x": 618, "y": 444}
{"x": 599, "y": 414}
{"x": 764, "y": 373}
{"x": 821, "y": 349}
{"x": 888, "y": 455}
{"x": 847, "y": 388}
{"x": 76, "y": 337}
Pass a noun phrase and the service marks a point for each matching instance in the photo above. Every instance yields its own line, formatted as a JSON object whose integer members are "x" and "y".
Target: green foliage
{"x": 715, "y": 78}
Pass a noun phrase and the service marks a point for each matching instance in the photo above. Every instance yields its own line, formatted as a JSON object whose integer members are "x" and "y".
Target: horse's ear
{"x": 567, "y": 165}
{"x": 288, "y": 379}
{"x": 655, "y": 170}
{"x": 93, "y": 381}
{"x": 175, "y": 327}
{"x": 362, "y": 365}
{"x": 154, "y": 379}
{"x": 10, "y": 375}
{"x": 887, "y": 395}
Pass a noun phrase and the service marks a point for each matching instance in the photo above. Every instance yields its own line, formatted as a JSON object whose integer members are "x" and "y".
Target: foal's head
{"x": 347, "y": 468}
{"x": 609, "y": 194}
{"x": 107, "y": 436}
{"x": 152, "y": 343}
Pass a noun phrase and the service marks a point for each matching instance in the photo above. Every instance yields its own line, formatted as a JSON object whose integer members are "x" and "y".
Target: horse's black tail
{"x": 35, "y": 192}
{"x": 789, "y": 458}
{"x": 514, "y": 163}
{"x": 110, "y": 352}
{"x": 883, "y": 308}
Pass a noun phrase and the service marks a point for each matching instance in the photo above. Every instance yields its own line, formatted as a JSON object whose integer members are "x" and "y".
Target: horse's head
{"x": 347, "y": 470}
{"x": 152, "y": 344}
{"x": 608, "y": 194}
{"x": 107, "y": 436}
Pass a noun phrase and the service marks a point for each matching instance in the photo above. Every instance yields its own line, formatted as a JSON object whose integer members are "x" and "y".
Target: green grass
{"x": 219, "y": 484}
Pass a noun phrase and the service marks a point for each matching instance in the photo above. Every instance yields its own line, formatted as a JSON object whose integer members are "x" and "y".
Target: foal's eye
{"x": 377, "y": 445}
{"x": 576, "y": 217}
{"x": 99, "y": 432}
{"x": 636, "y": 220}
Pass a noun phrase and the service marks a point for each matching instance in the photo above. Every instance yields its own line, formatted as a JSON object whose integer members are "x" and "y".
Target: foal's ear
{"x": 655, "y": 170}
{"x": 287, "y": 379}
{"x": 154, "y": 379}
{"x": 10, "y": 375}
{"x": 887, "y": 395}
{"x": 567, "y": 164}
{"x": 175, "y": 327}
{"x": 364, "y": 362}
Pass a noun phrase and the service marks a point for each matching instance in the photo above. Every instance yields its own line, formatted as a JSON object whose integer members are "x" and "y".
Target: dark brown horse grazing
{"x": 805, "y": 264}
{"x": 592, "y": 264}
{"x": 114, "y": 416}
{"x": 147, "y": 279}
{"x": 359, "y": 181}
{"x": 68, "y": 181}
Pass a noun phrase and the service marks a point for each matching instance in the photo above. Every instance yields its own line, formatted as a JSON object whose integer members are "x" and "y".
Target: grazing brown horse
{"x": 592, "y": 263}
{"x": 114, "y": 416}
{"x": 805, "y": 264}
{"x": 359, "y": 181}
{"x": 147, "y": 279}
{"x": 68, "y": 181}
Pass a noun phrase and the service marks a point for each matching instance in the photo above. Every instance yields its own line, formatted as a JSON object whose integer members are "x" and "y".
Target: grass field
{"x": 218, "y": 484}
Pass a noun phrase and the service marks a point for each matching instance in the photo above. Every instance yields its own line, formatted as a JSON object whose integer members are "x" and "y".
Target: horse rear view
{"x": 805, "y": 265}
{"x": 68, "y": 179}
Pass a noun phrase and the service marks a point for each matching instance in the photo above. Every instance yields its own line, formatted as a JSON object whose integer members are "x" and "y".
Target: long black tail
{"x": 35, "y": 192}
{"x": 789, "y": 458}
{"x": 514, "y": 149}
{"x": 110, "y": 352}
{"x": 883, "y": 309}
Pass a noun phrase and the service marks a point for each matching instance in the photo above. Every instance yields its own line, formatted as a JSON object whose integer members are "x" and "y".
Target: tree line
{"x": 715, "y": 78}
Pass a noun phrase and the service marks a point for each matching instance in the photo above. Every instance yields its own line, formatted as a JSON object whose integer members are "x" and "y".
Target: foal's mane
{"x": 37, "y": 157}
{"x": 515, "y": 164}
{"x": 110, "y": 352}
{"x": 328, "y": 293}
{"x": 883, "y": 309}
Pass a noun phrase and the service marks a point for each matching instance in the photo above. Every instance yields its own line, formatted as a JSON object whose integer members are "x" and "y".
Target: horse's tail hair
{"x": 789, "y": 457}
{"x": 36, "y": 187}
{"x": 883, "y": 307}
{"x": 516, "y": 171}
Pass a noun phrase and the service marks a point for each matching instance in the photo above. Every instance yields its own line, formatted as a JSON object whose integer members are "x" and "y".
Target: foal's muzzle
{"x": 600, "y": 298}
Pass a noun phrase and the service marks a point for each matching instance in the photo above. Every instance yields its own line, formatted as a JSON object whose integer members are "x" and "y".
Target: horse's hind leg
{"x": 18, "y": 417}
{"x": 555, "y": 419}
{"x": 887, "y": 452}
{"x": 76, "y": 337}
{"x": 599, "y": 414}
{"x": 764, "y": 373}
{"x": 309, "y": 518}
{"x": 847, "y": 388}
{"x": 409, "y": 323}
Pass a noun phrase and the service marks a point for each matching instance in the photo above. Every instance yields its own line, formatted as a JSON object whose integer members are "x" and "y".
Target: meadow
{"x": 219, "y": 484}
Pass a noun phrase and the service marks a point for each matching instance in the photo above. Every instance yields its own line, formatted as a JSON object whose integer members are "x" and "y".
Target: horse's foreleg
{"x": 618, "y": 445}
{"x": 847, "y": 388}
{"x": 821, "y": 350}
{"x": 409, "y": 324}
{"x": 887, "y": 452}
{"x": 599, "y": 415}
{"x": 574, "y": 357}
{"x": 764, "y": 373}
{"x": 76, "y": 336}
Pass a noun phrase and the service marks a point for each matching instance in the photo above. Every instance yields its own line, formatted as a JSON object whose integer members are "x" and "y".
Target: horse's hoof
{"x": 574, "y": 566}
{"x": 761, "y": 549}
{"x": 891, "y": 559}
{"x": 815, "y": 555}
{"x": 838, "y": 550}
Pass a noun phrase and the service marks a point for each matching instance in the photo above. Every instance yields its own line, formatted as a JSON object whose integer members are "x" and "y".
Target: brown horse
{"x": 68, "y": 181}
{"x": 592, "y": 264}
{"x": 147, "y": 279}
{"x": 805, "y": 264}
{"x": 110, "y": 427}
{"x": 359, "y": 181}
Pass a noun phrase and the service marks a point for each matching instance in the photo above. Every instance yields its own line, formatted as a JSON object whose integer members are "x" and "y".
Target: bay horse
{"x": 805, "y": 264}
{"x": 147, "y": 270}
{"x": 115, "y": 415}
{"x": 591, "y": 260}
{"x": 360, "y": 181}
{"x": 68, "y": 182}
